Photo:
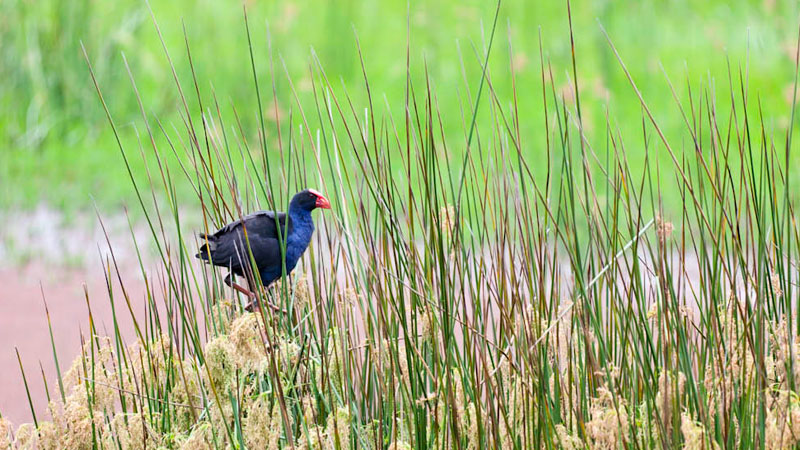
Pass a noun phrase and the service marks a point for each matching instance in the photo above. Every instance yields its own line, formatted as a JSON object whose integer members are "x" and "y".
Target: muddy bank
{"x": 23, "y": 326}
{"x": 45, "y": 252}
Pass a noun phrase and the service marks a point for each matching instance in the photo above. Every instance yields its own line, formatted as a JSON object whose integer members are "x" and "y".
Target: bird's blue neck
{"x": 302, "y": 229}
{"x": 296, "y": 242}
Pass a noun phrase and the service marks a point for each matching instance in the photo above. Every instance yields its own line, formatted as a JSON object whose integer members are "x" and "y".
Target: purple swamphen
{"x": 228, "y": 248}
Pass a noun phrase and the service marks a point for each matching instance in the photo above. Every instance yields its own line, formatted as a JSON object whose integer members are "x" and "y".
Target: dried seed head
{"x": 79, "y": 423}
{"x": 608, "y": 426}
{"x": 566, "y": 440}
{"x": 338, "y": 428}
{"x": 314, "y": 439}
{"x": 219, "y": 361}
{"x": 427, "y": 324}
{"x": 302, "y": 294}
{"x": 794, "y": 419}
{"x": 248, "y": 345}
{"x": 98, "y": 358}
{"x": 611, "y": 370}
{"x": 5, "y": 434}
{"x": 309, "y": 411}
{"x": 349, "y": 299}
{"x": 775, "y": 282}
{"x": 447, "y": 218}
{"x": 431, "y": 397}
{"x": 694, "y": 434}
{"x": 131, "y": 431}
{"x": 399, "y": 445}
{"x": 49, "y": 436}
{"x": 779, "y": 430}
{"x": 473, "y": 432}
{"x": 220, "y": 314}
{"x": 670, "y": 394}
{"x": 663, "y": 230}
{"x": 652, "y": 312}
{"x": 263, "y": 426}
{"x": 26, "y": 437}
{"x": 200, "y": 438}
{"x": 685, "y": 312}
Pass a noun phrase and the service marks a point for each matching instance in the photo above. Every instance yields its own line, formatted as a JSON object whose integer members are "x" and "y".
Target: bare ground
{"x": 46, "y": 255}
{"x": 23, "y": 327}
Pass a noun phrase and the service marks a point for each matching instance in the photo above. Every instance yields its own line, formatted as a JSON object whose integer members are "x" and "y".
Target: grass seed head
{"x": 566, "y": 440}
{"x": 200, "y": 438}
{"x": 5, "y": 434}
{"x": 49, "y": 436}
{"x": 338, "y": 428}
{"x": 694, "y": 434}
{"x": 399, "y": 445}
{"x": 219, "y": 361}
{"x": 669, "y": 396}
{"x": 427, "y": 324}
{"x": 302, "y": 295}
{"x": 248, "y": 347}
{"x": 664, "y": 230}
{"x": 309, "y": 410}
{"x": 447, "y": 220}
{"x": 779, "y": 431}
{"x": 26, "y": 438}
{"x": 608, "y": 426}
{"x": 775, "y": 283}
{"x": 130, "y": 431}
{"x": 313, "y": 439}
{"x": 263, "y": 425}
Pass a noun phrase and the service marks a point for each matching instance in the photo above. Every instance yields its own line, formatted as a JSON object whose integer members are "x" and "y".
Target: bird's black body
{"x": 229, "y": 248}
{"x": 267, "y": 232}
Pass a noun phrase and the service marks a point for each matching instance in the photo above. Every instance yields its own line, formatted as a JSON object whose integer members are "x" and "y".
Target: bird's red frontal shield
{"x": 322, "y": 202}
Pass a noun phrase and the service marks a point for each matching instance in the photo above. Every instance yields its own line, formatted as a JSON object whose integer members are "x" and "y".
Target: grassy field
{"x": 58, "y": 149}
{"x": 503, "y": 266}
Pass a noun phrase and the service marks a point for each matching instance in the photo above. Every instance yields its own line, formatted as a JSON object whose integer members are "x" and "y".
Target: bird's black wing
{"x": 227, "y": 247}
{"x": 262, "y": 222}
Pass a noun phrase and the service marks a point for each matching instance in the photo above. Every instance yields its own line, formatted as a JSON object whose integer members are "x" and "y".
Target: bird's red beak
{"x": 322, "y": 202}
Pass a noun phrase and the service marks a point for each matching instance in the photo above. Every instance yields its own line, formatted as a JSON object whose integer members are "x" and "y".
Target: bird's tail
{"x": 205, "y": 250}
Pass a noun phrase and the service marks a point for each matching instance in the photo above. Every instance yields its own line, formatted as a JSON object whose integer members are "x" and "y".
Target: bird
{"x": 227, "y": 246}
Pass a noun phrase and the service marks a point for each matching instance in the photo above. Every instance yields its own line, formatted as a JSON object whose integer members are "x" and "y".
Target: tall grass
{"x": 54, "y": 132}
{"x": 466, "y": 305}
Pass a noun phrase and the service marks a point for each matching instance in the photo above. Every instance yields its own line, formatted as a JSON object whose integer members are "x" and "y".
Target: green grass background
{"x": 58, "y": 149}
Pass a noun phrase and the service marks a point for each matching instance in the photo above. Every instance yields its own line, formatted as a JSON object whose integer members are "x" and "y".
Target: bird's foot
{"x": 254, "y": 306}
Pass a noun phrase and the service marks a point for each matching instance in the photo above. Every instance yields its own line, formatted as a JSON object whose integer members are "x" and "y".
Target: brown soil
{"x": 23, "y": 327}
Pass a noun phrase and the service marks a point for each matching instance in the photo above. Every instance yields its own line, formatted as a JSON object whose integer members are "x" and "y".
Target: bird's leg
{"x": 243, "y": 290}
{"x": 229, "y": 281}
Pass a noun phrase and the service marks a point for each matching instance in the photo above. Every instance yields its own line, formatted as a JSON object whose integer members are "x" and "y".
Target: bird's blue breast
{"x": 296, "y": 244}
